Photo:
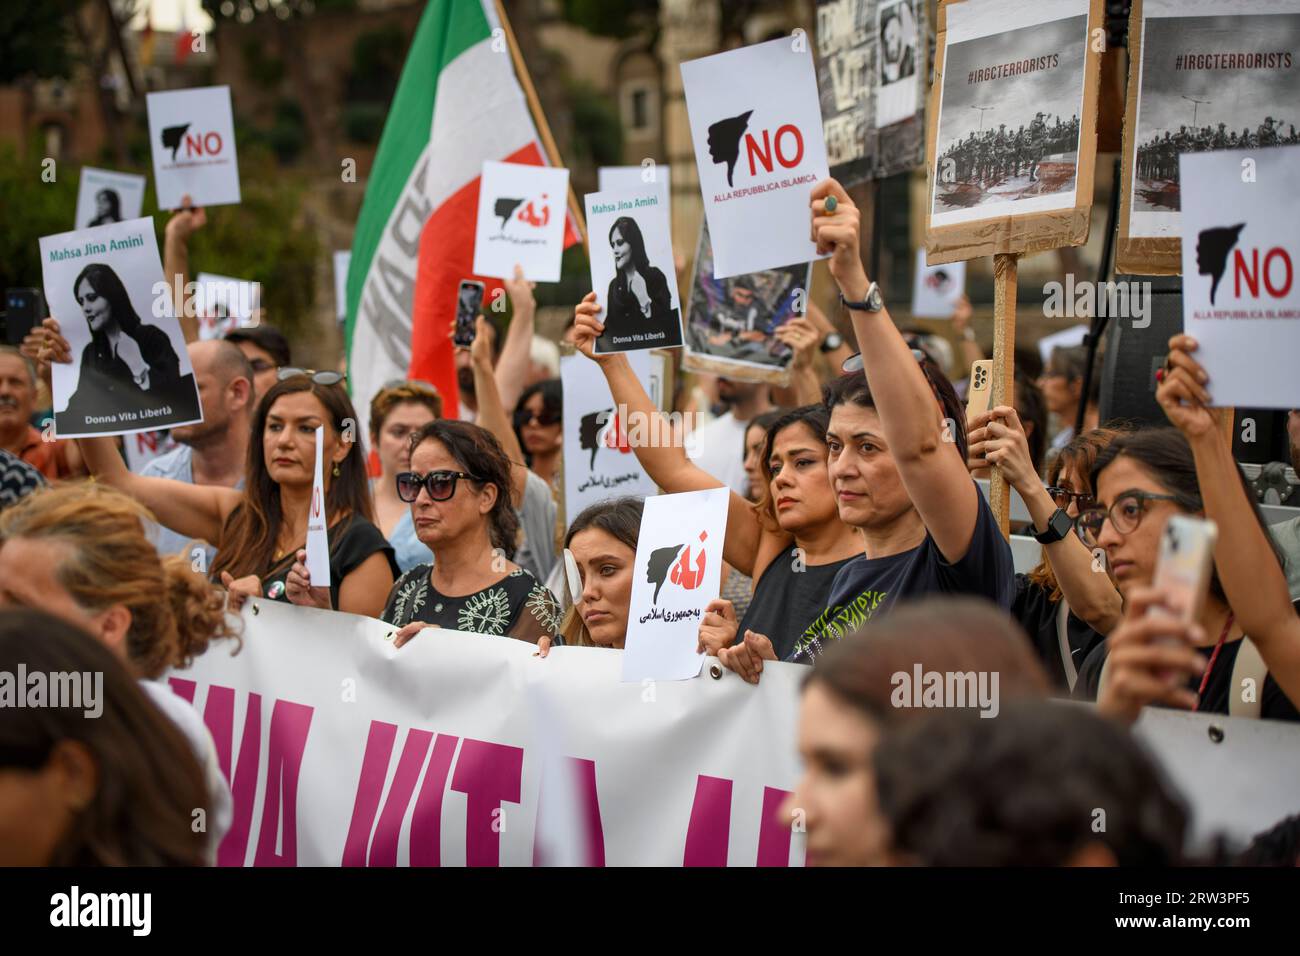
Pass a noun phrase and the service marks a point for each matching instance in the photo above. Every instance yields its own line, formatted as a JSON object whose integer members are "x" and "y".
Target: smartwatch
{"x": 1058, "y": 526}
{"x": 871, "y": 302}
{"x": 832, "y": 341}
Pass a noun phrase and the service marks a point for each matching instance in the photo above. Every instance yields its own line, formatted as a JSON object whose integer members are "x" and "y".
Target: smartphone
{"x": 979, "y": 394}
{"x": 1184, "y": 564}
{"x": 469, "y": 300}
{"x": 24, "y": 310}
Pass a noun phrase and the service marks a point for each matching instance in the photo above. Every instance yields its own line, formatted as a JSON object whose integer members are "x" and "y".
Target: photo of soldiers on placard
{"x": 1201, "y": 92}
{"x": 1009, "y": 118}
{"x": 735, "y": 319}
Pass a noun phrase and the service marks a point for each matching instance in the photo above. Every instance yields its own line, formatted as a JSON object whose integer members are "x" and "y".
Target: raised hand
{"x": 1182, "y": 392}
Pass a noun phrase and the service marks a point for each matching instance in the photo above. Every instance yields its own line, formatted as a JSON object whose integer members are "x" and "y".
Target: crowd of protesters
{"x": 858, "y": 543}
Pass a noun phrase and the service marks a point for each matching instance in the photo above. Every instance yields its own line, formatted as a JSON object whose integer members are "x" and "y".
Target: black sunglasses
{"x": 441, "y": 485}
{"x": 547, "y": 417}
{"x": 320, "y": 378}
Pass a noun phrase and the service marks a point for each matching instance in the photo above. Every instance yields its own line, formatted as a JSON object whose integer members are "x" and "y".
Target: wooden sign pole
{"x": 1004, "y": 375}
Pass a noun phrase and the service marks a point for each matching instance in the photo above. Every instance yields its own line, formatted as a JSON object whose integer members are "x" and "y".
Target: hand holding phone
{"x": 24, "y": 310}
{"x": 979, "y": 394}
{"x": 469, "y": 301}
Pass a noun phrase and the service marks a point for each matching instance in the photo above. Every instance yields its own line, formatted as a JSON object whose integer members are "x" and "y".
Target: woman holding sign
{"x": 261, "y": 532}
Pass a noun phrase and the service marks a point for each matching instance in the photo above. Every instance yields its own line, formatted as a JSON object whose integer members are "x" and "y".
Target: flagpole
{"x": 535, "y": 107}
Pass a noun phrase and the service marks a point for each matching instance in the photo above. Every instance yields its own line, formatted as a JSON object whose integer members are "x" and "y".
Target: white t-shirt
{"x": 184, "y": 716}
{"x": 719, "y": 448}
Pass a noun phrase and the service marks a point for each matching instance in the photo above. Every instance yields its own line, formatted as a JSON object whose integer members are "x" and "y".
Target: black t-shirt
{"x": 1273, "y": 703}
{"x": 516, "y": 606}
{"x": 786, "y": 601}
{"x": 352, "y": 540}
{"x": 866, "y": 586}
{"x": 1034, "y": 608}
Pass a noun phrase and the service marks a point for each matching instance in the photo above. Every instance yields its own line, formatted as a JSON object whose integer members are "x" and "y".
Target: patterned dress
{"x": 516, "y": 606}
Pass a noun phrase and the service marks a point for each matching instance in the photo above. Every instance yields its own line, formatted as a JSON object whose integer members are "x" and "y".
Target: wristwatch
{"x": 1058, "y": 526}
{"x": 832, "y": 341}
{"x": 871, "y": 302}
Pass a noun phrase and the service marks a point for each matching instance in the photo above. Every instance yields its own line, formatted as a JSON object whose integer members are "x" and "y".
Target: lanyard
{"x": 1205, "y": 678}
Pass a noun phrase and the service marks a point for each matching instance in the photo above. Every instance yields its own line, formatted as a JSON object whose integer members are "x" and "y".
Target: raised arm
{"x": 998, "y": 438}
{"x": 932, "y": 469}
{"x": 491, "y": 412}
{"x": 516, "y": 351}
{"x": 176, "y": 261}
{"x": 665, "y": 461}
{"x": 803, "y": 338}
{"x": 1243, "y": 556}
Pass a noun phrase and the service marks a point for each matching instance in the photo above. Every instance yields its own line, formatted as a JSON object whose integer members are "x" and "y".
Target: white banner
{"x": 342, "y": 749}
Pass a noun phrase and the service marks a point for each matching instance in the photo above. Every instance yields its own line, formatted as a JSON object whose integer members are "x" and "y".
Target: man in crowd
{"x": 213, "y": 452}
{"x": 267, "y": 351}
{"x": 18, "y": 436}
{"x": 718, "y": 447}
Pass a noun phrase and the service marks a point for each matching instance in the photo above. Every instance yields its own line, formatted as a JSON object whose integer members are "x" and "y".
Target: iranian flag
{"x": 458, "y": 103}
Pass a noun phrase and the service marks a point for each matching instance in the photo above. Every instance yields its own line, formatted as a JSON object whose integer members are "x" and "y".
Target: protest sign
{"x": 143, "y": 447}
{"x": 730, "y": 323}
{"x": 936, "y": 290}
{"x": 130, "y": 371}
{"x": 1204, "y": 75}
{"x": 632, "y": 270}
{"x": 192, "y": 137}
{"x": 678, "y": 572}
{"x": 225, "y": 303}
{"x": 759, "y": 149}
{"x": 520, "y": 220}
{"x": 1239, "y": 258}
{"x": 318, "y": 542}
{"x": 104, "y": 196}
{"x": 632, "y": 178}
{"x": 598, "y": 460}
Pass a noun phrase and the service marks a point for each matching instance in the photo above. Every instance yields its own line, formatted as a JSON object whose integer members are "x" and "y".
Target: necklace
{"x": 1205, "y": 678}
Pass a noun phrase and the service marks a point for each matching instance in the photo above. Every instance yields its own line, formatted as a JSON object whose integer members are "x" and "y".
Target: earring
{"x": 336, "y": 469}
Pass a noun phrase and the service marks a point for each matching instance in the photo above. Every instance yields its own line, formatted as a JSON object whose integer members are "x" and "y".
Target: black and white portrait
{"x": 108, "y": 207}
{"x": 897, "y": 42}
{"x": 105, "y": 196}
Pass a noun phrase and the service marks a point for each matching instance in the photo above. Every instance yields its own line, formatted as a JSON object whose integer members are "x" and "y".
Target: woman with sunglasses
{"x": 459, "y": 491}
{"x": 397, "y": 412}
{"x": 537, "y": 427}
{"x": 260, "y": 532}
{"x": 1247, "y": 626}
{"x": 1065, "y": 604}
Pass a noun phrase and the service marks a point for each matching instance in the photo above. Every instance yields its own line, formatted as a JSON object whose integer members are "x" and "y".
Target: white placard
{"x": 597, "y": 465}
{"x": 632, "y": 271}
{"x": 521, "y": 213}
{"x": 759, "y": 147}
{"x": 1065, "y": 338}
{"x": 318, "y": 542}
{"x": 678, "y": 572}
{"x": 631, "y": 178}
{"x": 936, "y": 290}
{"x": 130, "y": 371}
{"x": 342, "y": 262}
{"x": 192, "y": 136}
{"x": 1241, "y": 301}
{"x": 225, "y": 303}
{"x": 143, "y": 447}
{"x": 104, "y": 197}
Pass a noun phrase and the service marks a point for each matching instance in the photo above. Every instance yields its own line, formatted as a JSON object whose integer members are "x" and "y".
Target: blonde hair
{"x": 109, "y": 560}
{"x": 386, "y": 399}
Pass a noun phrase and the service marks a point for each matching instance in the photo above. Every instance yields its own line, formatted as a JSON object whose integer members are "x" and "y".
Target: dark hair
{"x": 1029, "y": 361}
{"x": 107, "y": 284}
{"x": 631, "y": 233}
{"x": 1071, "y": 361}
{"x": 247, "y": 544}
{"x": 267, "y": 338}
{"x": 407, "y": 393}
{"x": 1024, "y": 789}
{"x": 148, "y": 780}
{"x": 1279, "y": 845}
{"x": 552, "y": 393}
{"x": 948, "y": 634}
{"x": 620, "y": 518}
{"x": 1032, "y": 410}
{"x": 817, "y": 419}
{"x": 1165, "y": 454}
{"x": 114, "y": 202}
{"x": 852, "y": 389}
{"x": 478, "y": 452}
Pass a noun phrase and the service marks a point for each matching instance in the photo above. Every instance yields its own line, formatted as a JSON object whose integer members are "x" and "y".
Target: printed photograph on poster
{"x": 1009, "y": 120}
{"x": 1208, "y": 83}
{"x": 1240, "y": 299}
{"x": 898, "y": 92}
{"x": 731, "y": 323}
{"x": 192, "y": 138}
{"x": 678, "y": 571}
{"x": 871, "y": 77}
{"x": 757, "y": 130}
{"x": 131, "y": 371}
{"x": 225, "y": 304}
{"x": 632, "y": 270}
{"x": 104, "y": 196}
{"x": 521, "y": 211}
{"x": 598, "y": 459}
{"x": 936, "y": 290}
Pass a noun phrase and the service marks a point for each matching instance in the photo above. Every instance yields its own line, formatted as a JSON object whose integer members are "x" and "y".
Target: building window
{"x": 640, "y": 113}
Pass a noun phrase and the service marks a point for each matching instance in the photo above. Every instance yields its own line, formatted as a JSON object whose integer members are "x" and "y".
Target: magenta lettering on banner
{"x": 488, "y": 774}
{"x": 710, "y": 826}
{"x": 289, "y": 725}
{"x": 773, "y": 834}
{"x": 183, "y": 689}
{"x": 383, "y": 851}
{"x": 370, "y": 787}
{"x": 584, "y": 779}
{"x": 426, "y": 821}
{"x": 219, "y": 716}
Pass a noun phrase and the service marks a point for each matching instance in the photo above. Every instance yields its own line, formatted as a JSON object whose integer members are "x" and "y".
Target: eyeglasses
{"x": 854, "y": 362}
{"x": 320, "y": 378}
{"x": 441, "y": 485}
{"x": 1062, "y": 497}
{"x": 1125, "y": 514}
{"x": 547, "y": 417}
